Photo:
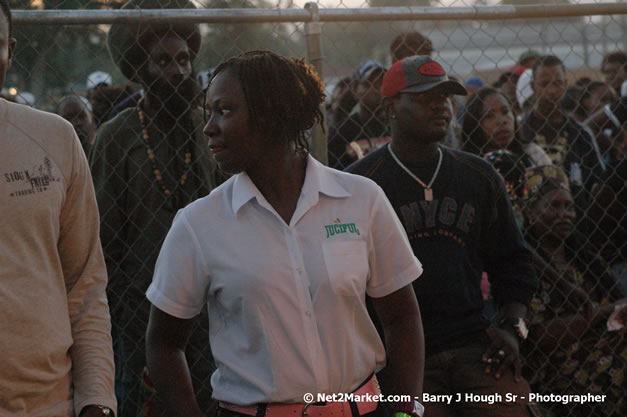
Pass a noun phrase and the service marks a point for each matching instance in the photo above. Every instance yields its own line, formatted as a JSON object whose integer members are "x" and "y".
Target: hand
{"x": 620, "y": 307}
{"x": 600, "y": 314}
{"x": 91, "y": 411}
{"x": 502, "y": 352}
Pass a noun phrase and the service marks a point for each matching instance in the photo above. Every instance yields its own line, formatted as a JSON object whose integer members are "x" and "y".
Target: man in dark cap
{"x": 458, "y": 218}
{"x": 77, "y": 110}
{"x": 148, "y": 162}
{"x": 364, "y": 129}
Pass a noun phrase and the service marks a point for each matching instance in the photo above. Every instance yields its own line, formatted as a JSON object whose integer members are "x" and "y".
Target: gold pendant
{"x": 428, "y": 194}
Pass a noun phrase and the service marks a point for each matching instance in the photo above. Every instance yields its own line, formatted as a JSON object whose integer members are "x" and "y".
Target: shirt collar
{"x": 319, "y": 179}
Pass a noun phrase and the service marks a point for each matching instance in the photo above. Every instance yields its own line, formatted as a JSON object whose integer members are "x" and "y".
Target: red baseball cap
{"x": 516, "y": 69}
{"x": 417, "y": 74}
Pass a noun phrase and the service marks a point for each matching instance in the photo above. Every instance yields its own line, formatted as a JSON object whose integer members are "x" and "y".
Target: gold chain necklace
{"x": 153, "y": 159}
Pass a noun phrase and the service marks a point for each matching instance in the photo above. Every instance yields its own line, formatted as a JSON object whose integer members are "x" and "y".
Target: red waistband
{"x": 328, "y": 409}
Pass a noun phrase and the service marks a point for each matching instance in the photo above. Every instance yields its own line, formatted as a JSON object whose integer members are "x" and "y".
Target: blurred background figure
{"x": 77, "y": 110}
{"x": 608, "y": 126}
{"x": 583, "y": 81}
{"x": 340, "y": 103}
{"x": 365, "y": 128}
{"x": 571, "y": 103}
{"x": 568, "y": 143}
{"x": 614, "y": 70}
{"x": 105, "y": 98}
{"x": 608, "y": 210}
{"x": 472, "y": 84}
{"x": 507, "y": 84}
{"x": 571, "y": 351}
{"x": 203, "y": 78}
{"x": 529, "y": 58}
{"x": 409, "y": 44}
{"x": 582, "y": 102}
{"x": 524, "y": 93}
{"x": 98, "y": 79}
{"x": 594, "y": 97}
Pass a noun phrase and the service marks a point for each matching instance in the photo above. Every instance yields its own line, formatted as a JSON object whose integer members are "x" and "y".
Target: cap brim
{"x": 368, "y": 75}
{"x": 450, "y": 86}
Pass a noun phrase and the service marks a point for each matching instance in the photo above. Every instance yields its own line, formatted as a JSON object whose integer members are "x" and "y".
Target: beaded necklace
{"x": 153, "y": 159}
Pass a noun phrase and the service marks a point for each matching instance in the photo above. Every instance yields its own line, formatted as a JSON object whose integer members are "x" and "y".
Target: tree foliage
{"x": 53, "y": 59}
{"x": 222, "y": 41}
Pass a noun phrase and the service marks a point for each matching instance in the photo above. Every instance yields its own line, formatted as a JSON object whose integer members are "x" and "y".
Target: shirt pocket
{"x": 347, "y": 266}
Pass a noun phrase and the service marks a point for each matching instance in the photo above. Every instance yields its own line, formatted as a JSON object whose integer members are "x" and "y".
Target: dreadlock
{"x": 283, "y": 95}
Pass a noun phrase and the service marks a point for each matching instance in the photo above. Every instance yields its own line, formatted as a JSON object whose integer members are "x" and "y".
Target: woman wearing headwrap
{"x": 571, "y": 351}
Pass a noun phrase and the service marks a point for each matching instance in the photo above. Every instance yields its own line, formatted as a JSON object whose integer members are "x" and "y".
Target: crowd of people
{"x": 176, "y": 250}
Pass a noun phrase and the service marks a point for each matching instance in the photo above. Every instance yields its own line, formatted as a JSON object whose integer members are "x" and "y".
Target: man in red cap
{"x": 458, "y": 218}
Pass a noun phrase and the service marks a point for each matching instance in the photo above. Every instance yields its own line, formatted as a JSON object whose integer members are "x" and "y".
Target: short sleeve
{"x": 180, "y": 280}
{"x": 393, "y": 264}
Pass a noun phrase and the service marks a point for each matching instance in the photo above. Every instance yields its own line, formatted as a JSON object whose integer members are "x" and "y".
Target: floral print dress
{"x": 594, "y": 364}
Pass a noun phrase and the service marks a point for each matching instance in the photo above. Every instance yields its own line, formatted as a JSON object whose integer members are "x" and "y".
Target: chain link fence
{"x": 146, "y": 165}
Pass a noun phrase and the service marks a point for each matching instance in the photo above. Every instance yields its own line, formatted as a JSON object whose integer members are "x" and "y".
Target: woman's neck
{"x": 554, "y": 248}
{"x": 280, "y": 180}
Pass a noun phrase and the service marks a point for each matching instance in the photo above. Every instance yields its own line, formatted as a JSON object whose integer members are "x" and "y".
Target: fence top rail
{"x": 68, "y": 17}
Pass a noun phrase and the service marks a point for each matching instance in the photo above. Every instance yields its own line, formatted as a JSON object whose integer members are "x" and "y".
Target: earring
{"x": 393, "y": 117}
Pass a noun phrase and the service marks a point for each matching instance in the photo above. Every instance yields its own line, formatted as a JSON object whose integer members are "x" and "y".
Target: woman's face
{"x": 497, "y": 123}
{"x": 236, "y": 147}
{"x": 553, "y": 215}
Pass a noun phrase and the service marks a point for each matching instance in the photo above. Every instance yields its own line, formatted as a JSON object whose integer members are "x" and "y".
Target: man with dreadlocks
{"x": 283, "y": 254}
{"x": 148, "y": 162}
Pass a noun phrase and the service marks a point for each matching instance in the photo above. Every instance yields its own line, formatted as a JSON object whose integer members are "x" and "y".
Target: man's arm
{"x": 166, "y": 339}
{"x": 508, "y": 262}
{"x": 402, "y": 325}
{"x": 86, "y": 280}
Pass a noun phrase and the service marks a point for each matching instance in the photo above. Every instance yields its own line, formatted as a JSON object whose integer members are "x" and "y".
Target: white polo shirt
{"x": 287, "y": 311}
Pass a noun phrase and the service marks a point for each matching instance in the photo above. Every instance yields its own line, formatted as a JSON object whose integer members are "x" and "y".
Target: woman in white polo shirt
{"x": 283, "y": 254}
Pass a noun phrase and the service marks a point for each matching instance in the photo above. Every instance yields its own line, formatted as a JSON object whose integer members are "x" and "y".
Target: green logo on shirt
{"x": 338, "y": 227}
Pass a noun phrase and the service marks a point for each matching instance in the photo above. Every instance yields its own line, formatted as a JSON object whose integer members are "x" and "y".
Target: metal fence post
{"x": 314, "y": 56}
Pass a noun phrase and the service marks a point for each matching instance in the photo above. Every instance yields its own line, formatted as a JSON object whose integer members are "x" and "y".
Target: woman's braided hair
{"x": 283, "y": 95}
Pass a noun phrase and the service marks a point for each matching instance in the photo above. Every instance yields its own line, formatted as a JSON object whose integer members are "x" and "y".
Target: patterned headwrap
{"x": 511, "y": 169}
{"x": 542, "y": 179}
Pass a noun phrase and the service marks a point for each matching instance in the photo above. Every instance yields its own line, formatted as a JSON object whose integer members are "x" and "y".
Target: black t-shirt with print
{"x": 467, "y": 229}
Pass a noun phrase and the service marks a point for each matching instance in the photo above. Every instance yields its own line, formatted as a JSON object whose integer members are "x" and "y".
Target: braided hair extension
{"x": 283, "y": 95}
